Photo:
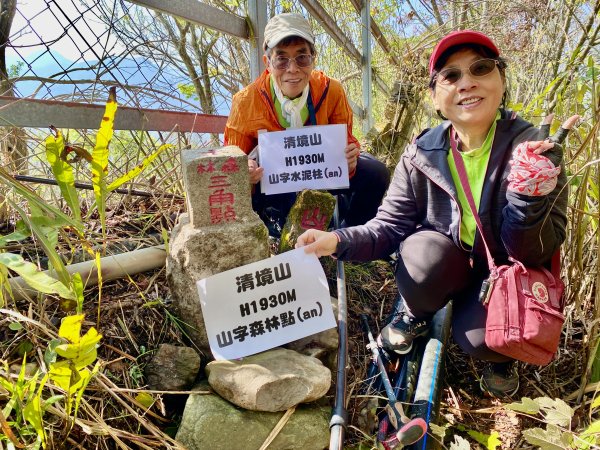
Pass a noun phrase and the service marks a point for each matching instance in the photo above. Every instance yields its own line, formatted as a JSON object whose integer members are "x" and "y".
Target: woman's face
{"x": 471, "y": 102}
{"x": 293, "y": 79}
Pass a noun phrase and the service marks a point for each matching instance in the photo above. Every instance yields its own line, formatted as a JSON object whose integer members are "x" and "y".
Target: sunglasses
{"x": 282, "y": 62}
{"x": 478, "y": 69}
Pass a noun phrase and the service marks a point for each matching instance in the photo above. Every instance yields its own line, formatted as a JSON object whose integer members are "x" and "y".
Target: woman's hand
{"x": 352, "y": 151}
{"x": 255, "y": 171}
{"x": 322, "y": 243}
{"x": 545, "y": 143}
{"x": 531, "y": 172}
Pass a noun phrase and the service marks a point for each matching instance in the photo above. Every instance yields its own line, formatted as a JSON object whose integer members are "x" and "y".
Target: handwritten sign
{"x": 303, "y": 158}
{"x": 265, "y": 304}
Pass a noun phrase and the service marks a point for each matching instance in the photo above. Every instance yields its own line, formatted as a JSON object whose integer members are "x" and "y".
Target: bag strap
{"x": 464, "y": 181}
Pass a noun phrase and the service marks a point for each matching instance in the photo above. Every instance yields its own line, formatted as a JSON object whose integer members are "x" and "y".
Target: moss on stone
{"x": 307, "y": 200}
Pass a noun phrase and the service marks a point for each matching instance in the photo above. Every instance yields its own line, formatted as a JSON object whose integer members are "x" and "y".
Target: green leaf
{"x": 526, "y": 405}
{"x": 595, "y": 403}
{"x": 65, "y": 376}
{"x": 439, "y": 431}
{"x": 145, "y": 399}
{"x": 137, "y": 169}
{"x": 33, "y": 413}
{"x": 24, "y": 347}
{"x": 52, "y": 400}
{"x": 70, "y": 328}
{"x": 490, "y": 441}
{"x": 100, "y": 156}
{"x": 50, "y": 353}
{"x": 47, "y": 245}
{"x": 165, "y": 237}
{"x": 5, "y": 288}
{"x": 37, "y": 280}
{"x": 85, "y": 382}
{"x": 47, "y": 229}
{"x": 21, "y": 232}
{"x": 80, "y": 350}
{"x": 15, "y": 326}
{"x": 556, "y": 412}
{"x": 77, "y": 286}
{"x": 546, "y": 439}
{"x": 82, "y": 353}
{"x": 34, "y": 199}
{"x": 63, "y": 172}
{"x": 589, "y": 437}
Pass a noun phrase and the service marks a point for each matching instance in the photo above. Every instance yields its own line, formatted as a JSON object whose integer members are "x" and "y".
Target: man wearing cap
{"x": 290, "y": 94}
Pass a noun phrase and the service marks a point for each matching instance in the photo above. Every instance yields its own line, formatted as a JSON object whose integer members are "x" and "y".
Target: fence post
{"x": 257, "y": 11}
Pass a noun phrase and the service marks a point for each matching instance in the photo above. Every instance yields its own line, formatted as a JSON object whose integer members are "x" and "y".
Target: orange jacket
{"x": 252, "y": 109}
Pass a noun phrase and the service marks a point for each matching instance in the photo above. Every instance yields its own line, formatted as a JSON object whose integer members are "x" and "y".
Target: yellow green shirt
{"x": 475, "y": 161}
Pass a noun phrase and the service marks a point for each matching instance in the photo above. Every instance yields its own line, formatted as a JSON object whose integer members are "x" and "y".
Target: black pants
{"x": 357, "y": 204}
{"x": 432, "y": 270}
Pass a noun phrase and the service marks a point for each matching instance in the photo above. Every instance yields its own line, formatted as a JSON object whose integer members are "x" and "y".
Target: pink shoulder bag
{"x": 524, "y": 304}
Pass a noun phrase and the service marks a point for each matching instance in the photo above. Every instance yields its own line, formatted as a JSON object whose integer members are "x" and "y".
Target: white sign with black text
{"x": 303, "y": 158}
{"x": 265, "y": 304}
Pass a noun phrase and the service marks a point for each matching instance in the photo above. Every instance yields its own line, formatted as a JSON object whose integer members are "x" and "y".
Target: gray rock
{"x": 270, "y": 381}
{"x": 220, "y": 232}
{"x": 312, "y": 209}
{"x": 199, "y": 253}
{"x": 321, "y": 345}
{"x": 211, "y": 423}
{"x": 172, "y": 368}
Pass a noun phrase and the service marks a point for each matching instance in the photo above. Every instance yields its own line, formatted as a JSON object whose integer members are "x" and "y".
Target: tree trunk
{"x": 13, "y": 145}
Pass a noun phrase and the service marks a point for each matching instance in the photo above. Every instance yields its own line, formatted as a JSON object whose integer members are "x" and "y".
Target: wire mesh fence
{"x": 73, "y": 51}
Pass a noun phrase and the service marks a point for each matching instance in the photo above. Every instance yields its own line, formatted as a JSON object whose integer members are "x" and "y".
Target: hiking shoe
{"x": 500, "y": 379}
{"x": 409, "y": 433}
{"x": 399, "y": 334}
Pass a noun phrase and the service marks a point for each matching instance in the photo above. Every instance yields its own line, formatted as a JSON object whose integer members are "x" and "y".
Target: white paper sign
{"x": 303, "y": 158}
{"x": 265, "y": 304}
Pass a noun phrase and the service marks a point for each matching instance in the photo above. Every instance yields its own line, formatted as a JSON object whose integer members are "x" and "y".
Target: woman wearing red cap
{"x": 426, "y": 217}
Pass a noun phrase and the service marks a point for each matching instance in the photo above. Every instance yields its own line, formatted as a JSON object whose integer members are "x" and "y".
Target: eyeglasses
{"x": 282, "y": 62}
{"x": 478, "y": 69}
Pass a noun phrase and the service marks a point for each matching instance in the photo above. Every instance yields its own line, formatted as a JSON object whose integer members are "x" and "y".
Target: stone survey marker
{"x": 217, "y": 186}
{"x": 219, "y": 232}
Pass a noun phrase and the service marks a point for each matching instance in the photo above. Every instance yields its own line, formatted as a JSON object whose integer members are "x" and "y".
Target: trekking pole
{"x": 409, "y": 431}
{"x": 339, "y": 416}
{"x": 394, "y": 411}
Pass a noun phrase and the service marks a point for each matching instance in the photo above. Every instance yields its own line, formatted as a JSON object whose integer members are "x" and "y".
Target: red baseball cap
{"x": 458, "y": 38}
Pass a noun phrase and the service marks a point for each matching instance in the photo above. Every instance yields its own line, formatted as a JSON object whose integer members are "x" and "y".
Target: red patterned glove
{"x": 530, "y": 173}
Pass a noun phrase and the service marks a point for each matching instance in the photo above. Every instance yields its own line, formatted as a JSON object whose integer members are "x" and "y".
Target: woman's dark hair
{"x": 480, "y": 50}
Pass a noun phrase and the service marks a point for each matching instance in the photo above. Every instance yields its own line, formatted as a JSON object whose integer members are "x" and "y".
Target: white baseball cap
{"x": 285, "y": 25}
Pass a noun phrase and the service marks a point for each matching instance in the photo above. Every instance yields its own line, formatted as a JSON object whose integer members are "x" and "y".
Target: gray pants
{"x": 432, "y": 270}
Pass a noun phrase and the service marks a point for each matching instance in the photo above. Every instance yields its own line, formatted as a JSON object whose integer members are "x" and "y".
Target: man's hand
{"x": 256, "y": 172}
{"x": 352, "y": 151}
{"x": 323, "y": 243}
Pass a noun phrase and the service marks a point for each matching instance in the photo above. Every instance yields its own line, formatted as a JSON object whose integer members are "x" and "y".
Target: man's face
{"x": 291, "y": 79}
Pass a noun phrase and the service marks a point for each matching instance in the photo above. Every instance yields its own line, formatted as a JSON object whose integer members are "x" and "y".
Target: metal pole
{"x": 339, "y": 416}
{"x": 257, "y": 12}
{"x": 366, "y": 65}
{"x": 89, "y": 186}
